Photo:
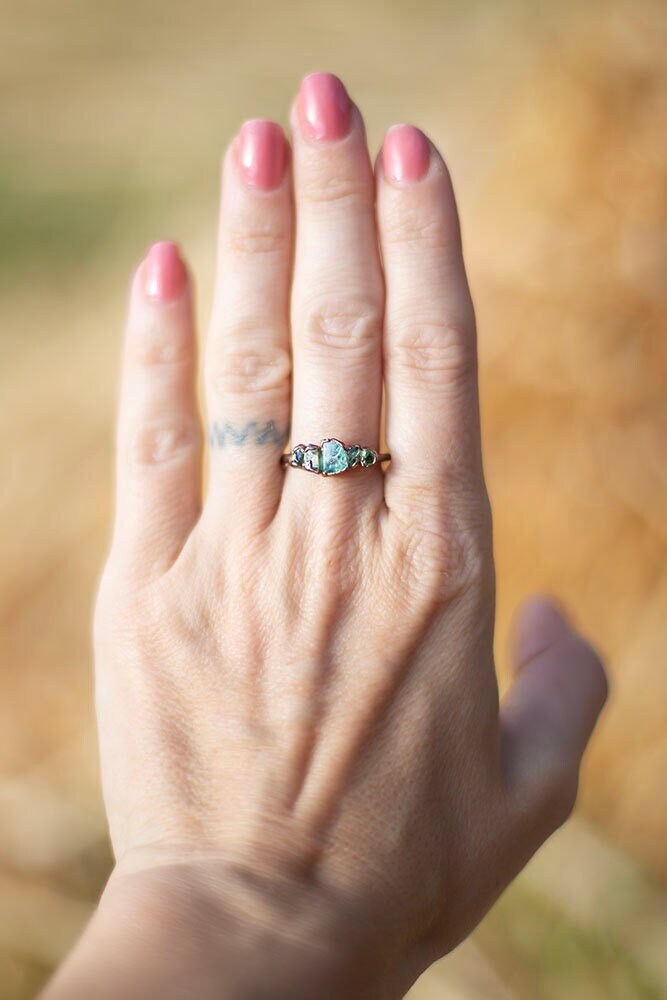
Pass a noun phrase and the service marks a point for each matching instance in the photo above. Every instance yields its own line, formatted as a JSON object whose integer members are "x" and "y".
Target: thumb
{"x": 549, "y": 713}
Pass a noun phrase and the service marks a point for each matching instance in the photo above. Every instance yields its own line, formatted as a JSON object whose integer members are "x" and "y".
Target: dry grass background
{"x": 553, "y": 116}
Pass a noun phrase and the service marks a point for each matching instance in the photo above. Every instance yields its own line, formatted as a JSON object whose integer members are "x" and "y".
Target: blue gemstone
{"x": 334, "y": 457}
{"x": 353, "y": 455}
{"x": 311, "y": 458}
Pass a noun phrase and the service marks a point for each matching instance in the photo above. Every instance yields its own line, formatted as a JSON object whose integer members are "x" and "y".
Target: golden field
{"x": 553, "y": 118}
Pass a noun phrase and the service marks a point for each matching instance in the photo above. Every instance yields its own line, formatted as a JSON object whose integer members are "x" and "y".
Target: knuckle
{"x": 354, "y": 329}
{"x": 464, "y": 564}
{"x": 334, "y": 187}
{"x": 435, "y": 351}
{"x": 119, "y": 609}
{"x": 257, "y": 240}
{"x": 443, "y": 556}
{"x": 334, "y": 570}
{"x": 163, "y": 441}
{"x": 410, "y": 230}
{"x": 251, "y": 370}
{"x": 159, "y": 342}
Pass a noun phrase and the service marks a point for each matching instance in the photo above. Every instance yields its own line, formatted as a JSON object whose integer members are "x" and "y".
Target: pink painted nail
{"x": 262, "y": 154}
{"x": 324, "y": 107}
{"x": 164, "y": 272}
{"x": 406, "y": 153}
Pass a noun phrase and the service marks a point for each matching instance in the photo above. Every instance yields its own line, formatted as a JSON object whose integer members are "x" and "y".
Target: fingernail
{"x": 164, "y": 272}
{"x": 262, "y": 154}
{"x": 406, "y": 154}
{"x": 324, "y": 107}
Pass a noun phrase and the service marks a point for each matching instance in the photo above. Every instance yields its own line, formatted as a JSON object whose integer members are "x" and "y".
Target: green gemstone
{"x": 311, "y": 458}
{"x": 334, "y": 457}
{"x": 297, "y": 455}
{"x": 353, "y": 455}
{"x": 367, "y": 457}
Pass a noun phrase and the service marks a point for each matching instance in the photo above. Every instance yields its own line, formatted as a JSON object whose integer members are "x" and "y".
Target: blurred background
{"x": 553, "y": 117}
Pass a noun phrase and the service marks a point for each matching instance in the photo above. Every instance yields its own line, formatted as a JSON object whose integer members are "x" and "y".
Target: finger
{"x": 429, "y": 339}
{"x": 159, "y": 448}
{"x": 548, "y": 716}
{"x": 247, "y": 369}
{"x": 337, "y": 297}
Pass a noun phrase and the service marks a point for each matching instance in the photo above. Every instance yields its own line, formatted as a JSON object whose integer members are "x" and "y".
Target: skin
{"x": 311, "y": 786}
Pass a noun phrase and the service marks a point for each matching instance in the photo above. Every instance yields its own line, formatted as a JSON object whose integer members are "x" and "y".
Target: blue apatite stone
{"x": 311, "y": 459}
{"x": 334, "y": 457}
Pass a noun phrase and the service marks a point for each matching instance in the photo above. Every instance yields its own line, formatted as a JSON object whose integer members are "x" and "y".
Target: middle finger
{"x": 337, "y": 296}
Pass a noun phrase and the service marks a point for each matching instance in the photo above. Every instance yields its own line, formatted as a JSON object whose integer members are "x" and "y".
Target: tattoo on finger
{"x": 222, "y": 435}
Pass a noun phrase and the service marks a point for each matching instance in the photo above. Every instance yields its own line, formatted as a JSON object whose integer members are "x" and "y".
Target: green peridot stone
{"x": 334, "y": 457}
{"x": 353, "y": 455}
{"x": 367, "y": 457}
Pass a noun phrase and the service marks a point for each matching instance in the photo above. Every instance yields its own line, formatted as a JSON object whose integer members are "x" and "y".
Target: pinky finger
{"x": 158, "y": 470}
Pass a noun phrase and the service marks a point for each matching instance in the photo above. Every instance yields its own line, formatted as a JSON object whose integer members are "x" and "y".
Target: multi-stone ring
{"x": 332, "y": 457}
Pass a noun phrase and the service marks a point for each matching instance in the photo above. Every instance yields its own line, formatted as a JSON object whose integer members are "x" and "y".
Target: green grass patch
{"x": 541, "y": 952}
{"x": 51, "y": 227}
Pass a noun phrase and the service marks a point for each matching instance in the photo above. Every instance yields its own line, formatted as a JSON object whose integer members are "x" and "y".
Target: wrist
{"x": 207, "y": 930}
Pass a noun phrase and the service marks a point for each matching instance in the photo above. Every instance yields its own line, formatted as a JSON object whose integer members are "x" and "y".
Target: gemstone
{"x": 297, "y": 455}
{"x": 353, "y": 455}
{"x": 334, "y": 457}
{"x": 367, "y": 457}
{"x": 311, "y": 458}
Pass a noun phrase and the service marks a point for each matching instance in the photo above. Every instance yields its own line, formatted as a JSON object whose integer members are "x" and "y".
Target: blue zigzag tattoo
{"x": 221, "y": 435}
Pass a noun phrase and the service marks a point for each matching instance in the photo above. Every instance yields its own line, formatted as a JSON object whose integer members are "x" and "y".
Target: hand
{"x": 298, "y": 711}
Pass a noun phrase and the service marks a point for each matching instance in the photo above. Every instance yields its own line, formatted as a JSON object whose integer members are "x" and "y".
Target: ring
{"x": 332, "y": 457}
